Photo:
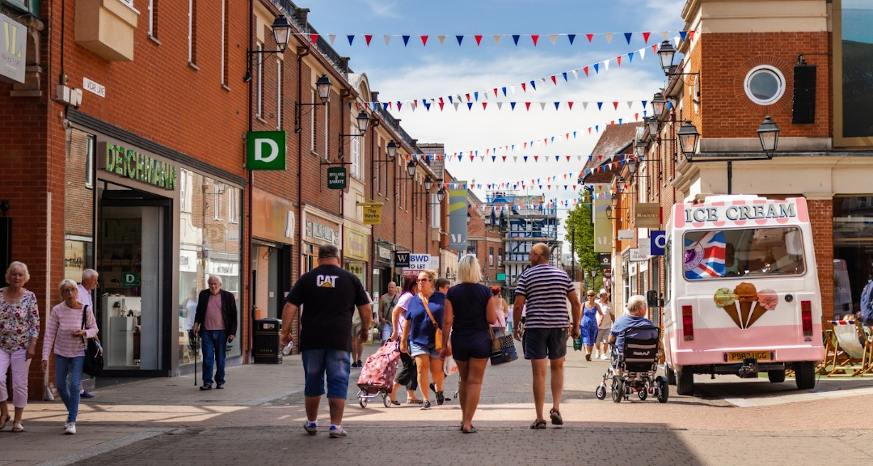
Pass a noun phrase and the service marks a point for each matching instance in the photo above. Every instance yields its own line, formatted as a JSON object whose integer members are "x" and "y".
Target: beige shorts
{"x": 356, "y": 329}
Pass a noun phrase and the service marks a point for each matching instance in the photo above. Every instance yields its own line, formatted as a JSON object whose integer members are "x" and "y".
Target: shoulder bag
{"x": 502, "y": 347}
{"x": 438, "y": 335}
{"x": 93, "y": 351}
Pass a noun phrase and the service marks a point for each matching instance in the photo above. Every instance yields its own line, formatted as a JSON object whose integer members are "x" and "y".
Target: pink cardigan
{"x": 62, "y": 320}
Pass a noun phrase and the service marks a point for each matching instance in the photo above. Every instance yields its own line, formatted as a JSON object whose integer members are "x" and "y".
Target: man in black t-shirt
{"x": 328, "y": 296}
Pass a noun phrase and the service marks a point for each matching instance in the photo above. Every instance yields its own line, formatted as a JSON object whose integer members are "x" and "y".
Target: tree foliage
{"x": 579, "y": 223}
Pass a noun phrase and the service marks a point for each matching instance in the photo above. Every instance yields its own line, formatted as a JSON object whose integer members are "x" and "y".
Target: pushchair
{"x": 632, "y": 370}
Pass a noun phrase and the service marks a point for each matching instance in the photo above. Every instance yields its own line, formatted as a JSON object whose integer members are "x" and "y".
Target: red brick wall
{"x": 821, "y": 213}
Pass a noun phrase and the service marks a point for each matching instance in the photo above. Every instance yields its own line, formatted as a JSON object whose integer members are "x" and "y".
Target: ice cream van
{"x": 742, "y": 292}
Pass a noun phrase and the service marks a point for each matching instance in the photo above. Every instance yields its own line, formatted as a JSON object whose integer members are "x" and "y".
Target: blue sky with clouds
{"x": 414, "y": 71}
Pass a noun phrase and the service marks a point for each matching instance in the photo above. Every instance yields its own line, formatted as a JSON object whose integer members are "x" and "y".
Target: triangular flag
{"x": 584, "y": 105}
{"x": 608, "y": 37}
{"x": 565, "y": 76}
{"x": 512, "y": 104}
{"x": 628, "y": 36}
{"x": 646, "y": 36}
{"x": 515, "y": 39}
{"x": 557, "y": 104}
{"x": 554, "y": 81}
{"x": 615, "y": 105}
{"x": 630, "y": 104}
{"x": 484, "y": 104}
{"x": 497, "y": 39}
{"x": 572, "y": 37}
{"x": 589, "y": 36}
{"x": 499, "y": 105}
{"x": 405, "y": 40}
{"x": 576, "y": 74}
{"x": 368, "y": 38}
{"x": 504, "y": 91}
{"x": 442, "y": 39}
{"x": 423, "y": 41}
{"x": 642, "y": 53}
{"x": 533, "y": 84}
{"x": 596, "y": 68}
{"x": 523, "y": 87}
{"x": 599, "y": 105}
{"x": 456, "y": 105}
{"x": 682, "y": 35}
{"x": 387, "y": 38}
{"x": 535, "y": 38}
{"x": 630, "y": 57}
{"x": 542, "y": 105}
{"x": 527, "y": 105}
{"x": 691, "y": 35}
{"x": 606, "y": 65}
{"x": 351, "y": 39}
{"x": 460, "y": 39}
{"x": 570, "y": 105}
{"x": 554, "y": 37}
{"x": 478, "y": 39}
{"x": 469, "y": 105}
{"x": 331, "y": 37}
{"x": 618, "y": 58}
{"x": 314, "y": 39}
{"x": 586, "y": 70}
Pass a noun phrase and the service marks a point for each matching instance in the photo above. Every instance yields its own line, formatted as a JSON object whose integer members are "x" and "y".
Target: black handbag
{"x": 502, "y": 347}
{"x": 93, "y": 351}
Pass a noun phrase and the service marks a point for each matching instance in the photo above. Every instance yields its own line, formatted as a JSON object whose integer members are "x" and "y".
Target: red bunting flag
{"x": 586, "y": 71}
{"x": 536, "y": 158}
{"x": 615, "y": 105}
{"x": 646, "y": 37}
{"x": 535, "y": 38}
{"x": 589, "y": 36}
{"x": 569, "y": 104}
{"x": 314, "y": 39}
{"x": 478, "y": 39}
{"x": 618, "y": 58}
{"x": 368, "y": 38}
{"x": 523, "y": 88}
{"x": 691, "y": 35}
{"x": 554, "y": 81}
{"x": 423, "y": 41}
{"x": 504, "y": 158}
{"x": 527, "y": 104}
{"x": 484, "y": 105}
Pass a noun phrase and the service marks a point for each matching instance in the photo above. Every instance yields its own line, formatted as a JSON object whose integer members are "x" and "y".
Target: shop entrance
{"x": 133, "y": 263}
{"x": 271, "y": 276}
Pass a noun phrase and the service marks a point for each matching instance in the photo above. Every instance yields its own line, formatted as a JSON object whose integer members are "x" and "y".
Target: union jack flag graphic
{"x": 704, "y": 258}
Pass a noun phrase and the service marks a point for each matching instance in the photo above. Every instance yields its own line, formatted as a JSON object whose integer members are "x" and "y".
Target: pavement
{"x": 258, "y": 418}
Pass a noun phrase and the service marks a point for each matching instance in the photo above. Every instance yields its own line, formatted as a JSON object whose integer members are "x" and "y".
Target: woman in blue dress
{"x": 419, "y": 335}
{"x": 588, "y": 327}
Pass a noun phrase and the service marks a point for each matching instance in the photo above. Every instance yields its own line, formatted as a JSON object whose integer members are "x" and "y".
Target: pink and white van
{"x": 742, "y": 291}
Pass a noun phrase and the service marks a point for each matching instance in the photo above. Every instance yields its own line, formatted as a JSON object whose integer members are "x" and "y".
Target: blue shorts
{"x": 418, "y": 350}
{"x": 465, "y": 347}
{"x": 541, "y": 342}
{"x": 334, "y": 363}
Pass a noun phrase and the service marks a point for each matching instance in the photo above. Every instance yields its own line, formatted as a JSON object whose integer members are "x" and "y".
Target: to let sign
{"x": 336, "y": 178}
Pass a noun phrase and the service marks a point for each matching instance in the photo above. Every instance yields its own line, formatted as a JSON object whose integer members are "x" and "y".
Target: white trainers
{"x": 70, "y": 428}
{"x": 604, "y": 357}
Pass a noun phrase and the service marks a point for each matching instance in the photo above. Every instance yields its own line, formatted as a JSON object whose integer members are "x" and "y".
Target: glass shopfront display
{"x": 853, "y": 251}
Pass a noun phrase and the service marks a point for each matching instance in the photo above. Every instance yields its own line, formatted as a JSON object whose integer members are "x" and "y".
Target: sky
{"x": 403, "y": 73}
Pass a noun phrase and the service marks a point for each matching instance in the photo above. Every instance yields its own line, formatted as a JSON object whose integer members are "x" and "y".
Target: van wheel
{"x": 777, "y": 376}
{"x": 685, "y": 382}
{"x": 804, "y": 374}
{"x": 671, "y": 375}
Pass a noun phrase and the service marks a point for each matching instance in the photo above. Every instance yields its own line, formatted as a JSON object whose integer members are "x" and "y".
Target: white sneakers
{"x": 70, "y": 428}
{"x": 604, "y": 357}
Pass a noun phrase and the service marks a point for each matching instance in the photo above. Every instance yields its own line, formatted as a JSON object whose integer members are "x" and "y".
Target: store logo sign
{"x": 266, "y": 150}
{"x": 13, "y": 41}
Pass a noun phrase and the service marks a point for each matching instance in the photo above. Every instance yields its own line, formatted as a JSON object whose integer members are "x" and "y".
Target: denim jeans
{"x": 214, "y": 344}
{"x": 69, "y": 390}
{"x": 320, "y": 362}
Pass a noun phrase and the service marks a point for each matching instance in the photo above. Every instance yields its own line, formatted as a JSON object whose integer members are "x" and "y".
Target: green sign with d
{"x": 265, "y": 150}
{"x": 129, "y": 279}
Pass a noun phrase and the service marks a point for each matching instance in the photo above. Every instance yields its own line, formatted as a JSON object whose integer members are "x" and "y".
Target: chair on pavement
{"x": 830, "y": 349}
{"x": 855, "y": 347}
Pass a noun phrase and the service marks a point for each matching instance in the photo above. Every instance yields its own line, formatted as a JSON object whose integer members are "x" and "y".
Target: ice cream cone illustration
{"x": 767, "y": 300}
{"x": 725, "y": 299}
{"x": 747, "y": 295}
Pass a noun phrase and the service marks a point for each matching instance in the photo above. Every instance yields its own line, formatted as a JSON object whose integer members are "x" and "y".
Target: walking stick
{"x": 195, "y": 359}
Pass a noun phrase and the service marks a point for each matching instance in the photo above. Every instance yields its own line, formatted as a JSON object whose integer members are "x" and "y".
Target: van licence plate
{"x": 738, "y": 356}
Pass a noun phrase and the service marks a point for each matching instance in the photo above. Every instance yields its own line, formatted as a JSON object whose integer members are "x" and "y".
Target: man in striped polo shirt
{"x": 544, "y": 290}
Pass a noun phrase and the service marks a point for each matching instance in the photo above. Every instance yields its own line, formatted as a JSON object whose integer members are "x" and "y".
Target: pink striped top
{"x": 63, "y": 320}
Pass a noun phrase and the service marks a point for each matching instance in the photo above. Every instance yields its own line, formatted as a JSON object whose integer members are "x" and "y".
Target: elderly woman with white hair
{"x": 469, "y": 311}
{"x": 19, "y": 331}
{"x": 66, "y": 332}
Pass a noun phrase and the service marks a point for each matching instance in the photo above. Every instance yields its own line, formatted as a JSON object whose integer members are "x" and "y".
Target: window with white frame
{"x": 223, "y": 41}
{"x": 490, "y": 257}
{"x": 217, "y": 191}
{"x": 356, "y": 153}
{"x": 312, "y": 123}
{"x": 186, "y": 180}
{"x": 259, "y": 85}
{"x": 434, "y": 211}
{"x": 279, "y": 94}
{"x": 500, "y": 257}
{"x": 153, "y": 19}
{"x": 232, "y": 204}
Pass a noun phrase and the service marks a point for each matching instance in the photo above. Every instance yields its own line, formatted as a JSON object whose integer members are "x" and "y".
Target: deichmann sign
{"x": 266, "y": 150}
{"x": 136, "y": 166}
{"x": 13, "y": 49}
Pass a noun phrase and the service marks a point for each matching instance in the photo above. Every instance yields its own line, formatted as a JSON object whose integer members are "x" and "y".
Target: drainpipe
{"x": 301, "y": 52}
{"x": 251, "y": 181}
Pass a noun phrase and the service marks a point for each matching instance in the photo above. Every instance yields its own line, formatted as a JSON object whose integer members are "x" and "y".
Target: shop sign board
{"x": 336, "y": 178}
{"x": 136, "y": 165}
{"x": 401, "y": 259}
{"x": 129, "y": 279}
{"x": 13, "y": 49}
{"x": 266, "y": 150}
{"x": 355, "y": 246}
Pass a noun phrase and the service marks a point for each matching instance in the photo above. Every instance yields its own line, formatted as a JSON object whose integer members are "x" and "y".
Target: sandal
{"x": 471, "y": 431}
{"x": 414, "y": 402}
{"x": 538, "y": 425}
{"x": 17, "y": 427}
{"x": 556, "y": 417}
{"x": 4, "y": 421}
{"x": 395, "y": 402}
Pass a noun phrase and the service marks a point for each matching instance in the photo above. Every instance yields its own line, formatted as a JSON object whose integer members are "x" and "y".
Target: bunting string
{"x": 534, "y": 39}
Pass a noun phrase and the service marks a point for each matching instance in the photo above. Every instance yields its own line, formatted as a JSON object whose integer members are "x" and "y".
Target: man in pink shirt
{"x": 215, "y": 321}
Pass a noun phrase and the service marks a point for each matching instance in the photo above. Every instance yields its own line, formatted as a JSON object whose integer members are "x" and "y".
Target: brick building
{"x": 124, "y": 141}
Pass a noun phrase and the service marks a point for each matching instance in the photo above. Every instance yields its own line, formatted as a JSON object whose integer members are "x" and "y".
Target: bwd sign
{"x": 265, "y": 150}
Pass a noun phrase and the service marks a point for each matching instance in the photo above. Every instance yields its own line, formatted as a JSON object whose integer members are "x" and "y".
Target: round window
{"x": 765, "y": 85}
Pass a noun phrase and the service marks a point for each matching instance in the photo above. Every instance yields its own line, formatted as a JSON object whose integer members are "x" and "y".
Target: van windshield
{"x": 732, "y": 253}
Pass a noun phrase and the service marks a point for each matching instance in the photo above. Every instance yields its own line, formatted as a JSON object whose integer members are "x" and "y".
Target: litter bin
{"x": 266, "y": 347}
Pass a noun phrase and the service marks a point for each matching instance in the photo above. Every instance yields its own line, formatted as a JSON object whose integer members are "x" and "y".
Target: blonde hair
{"x": 65, "y": 283}
{"x": 468, "y": 269}
{"x": 18, "y": 265}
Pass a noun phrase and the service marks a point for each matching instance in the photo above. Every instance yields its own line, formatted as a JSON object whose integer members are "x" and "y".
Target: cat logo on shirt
{"x": 326, "y": 281}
